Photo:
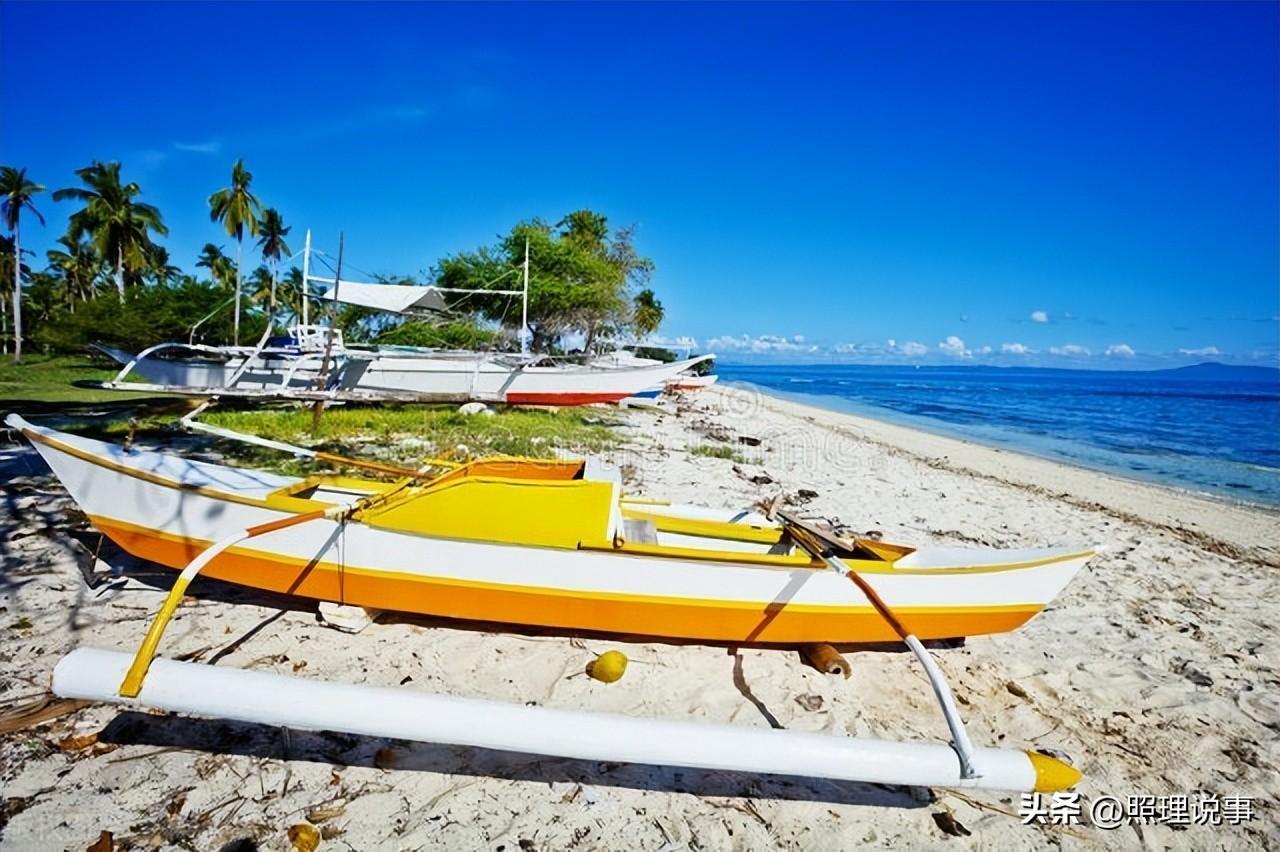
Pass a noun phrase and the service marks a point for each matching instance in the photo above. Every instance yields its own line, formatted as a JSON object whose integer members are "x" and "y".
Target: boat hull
{"x": 167, "y": 510}
{"x": 454, "y": 377}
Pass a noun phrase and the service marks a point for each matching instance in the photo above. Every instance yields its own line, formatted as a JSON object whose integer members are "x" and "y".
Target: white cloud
{"x": 763, "y": 343}
{"x": 954, "y": 347}
{"x": 912, "y": 349}
{"x": 213, "y": 146}
{"x": 1201, "y": 352}
{"x": 682, "y": 342}
{"x": 1119, "y": 350}
{"x": 1039, "y": 316}
{"x": 1071, "y": 350}
{"x": 984, "y": 350}
{"x": 1015, "y": 349}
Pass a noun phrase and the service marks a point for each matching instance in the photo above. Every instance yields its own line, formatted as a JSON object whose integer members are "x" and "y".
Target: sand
{"x": 1155, "y": 672}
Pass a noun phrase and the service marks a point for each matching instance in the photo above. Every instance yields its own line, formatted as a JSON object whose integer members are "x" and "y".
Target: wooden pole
{"x": 318, "y": 409}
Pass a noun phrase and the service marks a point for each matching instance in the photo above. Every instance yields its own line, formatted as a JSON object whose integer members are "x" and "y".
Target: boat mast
{"x": 524, "y": 312}
{"x": 306, "y": 273}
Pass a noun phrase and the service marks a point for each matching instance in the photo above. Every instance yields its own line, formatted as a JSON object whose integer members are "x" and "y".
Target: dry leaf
{"x": 304, "y": 837}
{"x": 950, "y": 825}
{"x": 76, "y": 743}
{"x": 384, "y": 758}
{"x": 327, "y": 811}
{"x": 104, "y": 843}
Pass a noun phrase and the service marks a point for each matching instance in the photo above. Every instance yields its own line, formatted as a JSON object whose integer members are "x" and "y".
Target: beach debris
{"x": 325, "y": 812}
{"x": 804, "y": 495}
{"x": 760, "y": 478}
{"x": 810, "y": 702}
{"x": 1014, "y": 689}
{"x": 472, "y": 408}
{"x": 1191, "y": 672}
{"x": 385, "y": 758}
{"x": 348, "y": 619}
{"x": 78, "y": 742}
{"x": 38, "y": 711}
{"x": 608, "y": 667}
{"x": 748, "y": 440}
{"x": 825, "y": 659}
{"x": 950, "y": 825}
{"x": 105, "y": 843}
{"x": 304, "y": 837}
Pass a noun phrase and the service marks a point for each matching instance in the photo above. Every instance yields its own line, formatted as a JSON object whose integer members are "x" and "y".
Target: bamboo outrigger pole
{"x": 132, "y": 683}
{"x": 820, "y": 549}
{"x": 189, "y": 421}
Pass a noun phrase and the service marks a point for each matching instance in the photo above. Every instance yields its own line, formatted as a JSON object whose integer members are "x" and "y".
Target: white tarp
{"x": 395, "y": 298}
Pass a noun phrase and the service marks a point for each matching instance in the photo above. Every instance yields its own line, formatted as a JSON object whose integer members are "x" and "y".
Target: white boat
{"x": 299, "y": 368}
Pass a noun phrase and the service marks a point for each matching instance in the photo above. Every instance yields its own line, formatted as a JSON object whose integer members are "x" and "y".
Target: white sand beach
{"x": 1157, "y": 672}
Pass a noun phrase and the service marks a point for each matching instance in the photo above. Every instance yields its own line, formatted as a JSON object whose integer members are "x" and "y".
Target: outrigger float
{"x": 542, "y": 542}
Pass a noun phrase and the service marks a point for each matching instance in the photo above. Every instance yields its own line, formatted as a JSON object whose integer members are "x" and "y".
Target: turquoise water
{"x": 1208, "y": 429}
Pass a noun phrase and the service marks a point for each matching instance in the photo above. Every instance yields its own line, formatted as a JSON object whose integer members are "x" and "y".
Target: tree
{"x": 16, "y": 193}
{"x": 290, "y": 291}
{"x": 580, "y": 276}
{"x": 647, "y": 312}
{"x": 79, "y": 267}
{"x": 273, "y": 247}
{"x": 238, "y": 210}
{"x": 8, "y": 260}
{"x": 218, "y": 264}
{"x": 160, "y": 268}
{"x": 119, "y": 227}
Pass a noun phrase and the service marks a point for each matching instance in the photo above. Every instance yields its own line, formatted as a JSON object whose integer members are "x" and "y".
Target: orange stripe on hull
{"x": 692, "y": 619}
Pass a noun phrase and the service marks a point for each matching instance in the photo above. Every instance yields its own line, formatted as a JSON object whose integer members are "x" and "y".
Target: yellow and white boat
{"x": 540, "y": 543}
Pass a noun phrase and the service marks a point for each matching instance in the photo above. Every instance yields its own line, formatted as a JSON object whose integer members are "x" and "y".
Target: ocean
{"x": 1207, "y": 429}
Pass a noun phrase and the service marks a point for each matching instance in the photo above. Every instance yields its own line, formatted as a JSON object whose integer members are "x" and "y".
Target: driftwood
{"x": 38, "y": 711}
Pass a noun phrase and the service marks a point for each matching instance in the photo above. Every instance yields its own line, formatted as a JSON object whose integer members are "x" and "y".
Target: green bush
{"x": 148, "y": 315}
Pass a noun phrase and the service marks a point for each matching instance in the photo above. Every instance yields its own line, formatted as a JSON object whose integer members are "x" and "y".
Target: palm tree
{"x": 16, "y": 193}
{"x": 79, "y": 266}
{"x": 290, "y": 291}
{"x": 647, "y": 312}
{"x": 119, "y": 226}
{"x": 273, "y": 246}
{"x": 159, "y": 266}
{"x": 218, "y": 264}
{"x": 238, "y": 210}
{"x": 7, "y": 271}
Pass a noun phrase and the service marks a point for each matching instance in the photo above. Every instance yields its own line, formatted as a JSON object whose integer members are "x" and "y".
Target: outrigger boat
{"x": 314, "y": 362}
{"x": 543, "y": 543}
{"x": 298, "y": 367}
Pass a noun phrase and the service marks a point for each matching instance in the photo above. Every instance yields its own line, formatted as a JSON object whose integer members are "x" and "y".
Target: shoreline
{"x": 1175, "y": 471}
{"x": 1242, "y": 528}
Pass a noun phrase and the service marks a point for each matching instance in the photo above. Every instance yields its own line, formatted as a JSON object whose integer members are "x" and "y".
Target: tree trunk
{"x": 120, "y": 272}
{"x": 17, "y": 297}
{"x": 4, "y": 324}
{"x": 235, "y": 328}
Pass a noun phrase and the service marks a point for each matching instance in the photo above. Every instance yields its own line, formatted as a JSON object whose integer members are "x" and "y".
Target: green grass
{"x": 51, "y": 378}
{"x": 712, "y": 451}
{"x": 410, "y": 433}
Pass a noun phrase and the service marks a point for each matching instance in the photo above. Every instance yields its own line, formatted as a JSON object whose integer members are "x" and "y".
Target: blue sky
{"x": 1066, "y": 185}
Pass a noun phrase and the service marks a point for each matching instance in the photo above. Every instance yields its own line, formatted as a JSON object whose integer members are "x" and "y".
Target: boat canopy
{"x": 395, "y": 298}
